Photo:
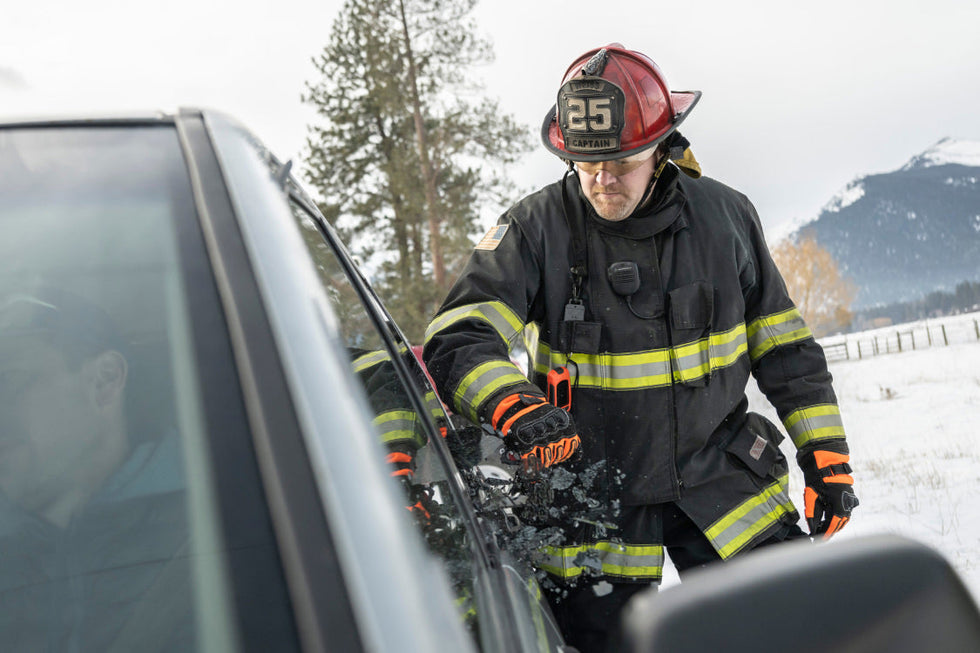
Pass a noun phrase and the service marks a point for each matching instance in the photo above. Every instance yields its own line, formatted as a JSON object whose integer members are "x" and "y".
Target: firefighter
{"x": 654, "y": 288}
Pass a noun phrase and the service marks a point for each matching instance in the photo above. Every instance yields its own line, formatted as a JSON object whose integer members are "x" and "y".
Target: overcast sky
{"x": 799, "y": 98}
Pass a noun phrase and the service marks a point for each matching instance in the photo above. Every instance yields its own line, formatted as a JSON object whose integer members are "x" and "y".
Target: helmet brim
{"x": 682, "y": 101}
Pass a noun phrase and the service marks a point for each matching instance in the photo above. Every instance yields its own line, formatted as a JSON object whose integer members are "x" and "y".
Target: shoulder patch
{"x": 493, "y": 237}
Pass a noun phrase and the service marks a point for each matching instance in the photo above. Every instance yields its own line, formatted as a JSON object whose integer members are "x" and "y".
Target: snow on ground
{"x": 913, "y": 425}
{"x": 950, "y": 330}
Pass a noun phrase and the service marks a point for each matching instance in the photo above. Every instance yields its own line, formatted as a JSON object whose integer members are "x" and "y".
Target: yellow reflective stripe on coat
{"x": 605, "y": 557}
{"x": 372, "y": 358}
{"x": 497, "y": 314}
{"x": 812, "y": 423}
{"x": 399, "y": 426}
{"x": 653, "y": 368}
{"x": 769, "y": 331}
{"x": 699, "y": 358}
{"x": 369, "y": 359}
{"x": 610, "y": 371}
{"x": 731, "y": 533}
{"x": 434, "y": 404}
{"x": 481, "y": 382}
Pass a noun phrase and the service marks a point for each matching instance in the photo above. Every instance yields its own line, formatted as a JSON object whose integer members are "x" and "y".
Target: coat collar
{"x": 663, "y": 210}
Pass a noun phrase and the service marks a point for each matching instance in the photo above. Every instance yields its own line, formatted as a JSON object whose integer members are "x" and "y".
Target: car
{"x": 205, "y": 418}
{"x": 263, "y": 376}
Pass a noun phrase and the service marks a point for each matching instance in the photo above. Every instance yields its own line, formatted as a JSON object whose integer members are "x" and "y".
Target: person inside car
{"x": 93, "y": 532}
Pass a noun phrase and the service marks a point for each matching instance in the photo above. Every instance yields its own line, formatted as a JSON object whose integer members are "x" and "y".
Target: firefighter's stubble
{"x": 615, "y": 198}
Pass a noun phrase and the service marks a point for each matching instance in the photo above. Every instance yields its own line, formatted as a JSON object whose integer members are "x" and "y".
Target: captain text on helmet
{"x": 652, "y": 288}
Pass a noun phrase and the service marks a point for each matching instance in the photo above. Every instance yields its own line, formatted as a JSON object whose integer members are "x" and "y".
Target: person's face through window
{"x": 615, "y": 188}
{"x": 61, "y": 431}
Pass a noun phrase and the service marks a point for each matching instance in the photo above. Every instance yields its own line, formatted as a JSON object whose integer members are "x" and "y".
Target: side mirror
{"x": 879, "y": 593}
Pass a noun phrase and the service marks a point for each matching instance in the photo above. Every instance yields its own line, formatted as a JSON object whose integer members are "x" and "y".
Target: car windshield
{"x": 111, "y": 536}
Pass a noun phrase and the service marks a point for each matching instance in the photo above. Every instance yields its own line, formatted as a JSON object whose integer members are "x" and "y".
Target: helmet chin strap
{"x": 664, "y": 159}
{"x": 648, "y": 194}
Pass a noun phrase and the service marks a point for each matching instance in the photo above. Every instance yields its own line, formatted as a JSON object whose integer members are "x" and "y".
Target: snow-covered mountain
{"x": 947, "y": 152}
{"x": 902, "y": 234}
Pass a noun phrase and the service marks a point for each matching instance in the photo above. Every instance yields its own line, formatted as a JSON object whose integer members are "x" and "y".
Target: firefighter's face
{"x": 612, "y": 192}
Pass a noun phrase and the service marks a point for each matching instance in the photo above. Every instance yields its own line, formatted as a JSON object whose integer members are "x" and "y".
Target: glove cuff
{"x": 401, "y": 458}
{"x": 826, "y": 464}
{"x": 511, "y": 408}
{"x": 834, "y": 445}
{"x": 489, "y": 408}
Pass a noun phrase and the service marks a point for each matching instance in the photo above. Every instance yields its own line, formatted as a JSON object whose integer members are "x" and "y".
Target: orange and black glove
{"x": 829, "y": 495}
{"x": 530, "y": 426}
{"x": 401, "y": 459}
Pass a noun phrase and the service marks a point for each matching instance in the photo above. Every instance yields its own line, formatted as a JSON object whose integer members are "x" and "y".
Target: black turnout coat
{"x": 659, "y": 377}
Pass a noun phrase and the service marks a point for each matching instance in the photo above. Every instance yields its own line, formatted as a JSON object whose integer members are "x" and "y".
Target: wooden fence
{"x": 900, "y": 338}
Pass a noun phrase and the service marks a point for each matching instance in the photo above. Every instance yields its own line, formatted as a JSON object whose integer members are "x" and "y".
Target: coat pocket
{"x": 692, "y": 306}
{"x": 580, "y": 337}
{"x": 691, "y": 313}
{"x": 756, "y": 444}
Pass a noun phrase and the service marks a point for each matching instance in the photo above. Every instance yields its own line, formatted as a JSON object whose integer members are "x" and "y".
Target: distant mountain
{"x": 903, "y": 234}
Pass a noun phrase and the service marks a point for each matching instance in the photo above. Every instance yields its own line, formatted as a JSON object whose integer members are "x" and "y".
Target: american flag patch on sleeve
{"x": 493, "y": 237}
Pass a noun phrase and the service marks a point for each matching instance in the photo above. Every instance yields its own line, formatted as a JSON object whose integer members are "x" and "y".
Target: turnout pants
{"x": 588, "y": 613}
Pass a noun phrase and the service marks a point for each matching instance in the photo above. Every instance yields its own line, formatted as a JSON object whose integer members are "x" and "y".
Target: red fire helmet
{"x": 613, "y": 103}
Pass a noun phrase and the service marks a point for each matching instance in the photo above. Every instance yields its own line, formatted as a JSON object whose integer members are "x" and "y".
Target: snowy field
{"x": 913, "y": 425}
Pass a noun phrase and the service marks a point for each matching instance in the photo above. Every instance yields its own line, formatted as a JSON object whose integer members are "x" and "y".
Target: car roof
{"x": 137, "y": 116}
{"x": 86, "y": 118}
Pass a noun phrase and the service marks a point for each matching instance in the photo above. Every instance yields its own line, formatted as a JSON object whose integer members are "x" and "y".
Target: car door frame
{"x": 515, "y": 616}
{"x": 327, "y": 494}
{"x": 319, "y": 597}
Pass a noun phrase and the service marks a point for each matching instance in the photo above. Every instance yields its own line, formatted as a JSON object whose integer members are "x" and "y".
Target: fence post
{"x": 859, "y": 350}
{"x": 929, "y": 335}
{"x": 874, "y": 347}
{"x": 945, "y": 339}
{"x": 976, "y": 327}
{"x": 847, "y": 351}
{"x": 912, "y": 334}
{"x": 899, "y": 337}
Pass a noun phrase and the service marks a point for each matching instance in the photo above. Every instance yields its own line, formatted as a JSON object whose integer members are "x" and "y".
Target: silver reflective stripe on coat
{"x": 497, "y": 314}
{"x": 399, "y": 426}
{"x": 812, "y": 423}
{"x": 738, "y": 527}
{"x": 482, "y": 382}
{"x": 769, "y": 331}
{"x": 604, "y": 558}
{"x": 653, "y": 368}
{"x": 369, "y": 359}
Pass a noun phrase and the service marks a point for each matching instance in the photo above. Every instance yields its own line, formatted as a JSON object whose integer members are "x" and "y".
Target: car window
{"x": 112, "y": 534}
{"x": 422, "y": 478}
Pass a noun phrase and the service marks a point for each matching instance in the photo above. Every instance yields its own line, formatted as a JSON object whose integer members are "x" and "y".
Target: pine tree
{"x": 406, "y": 150}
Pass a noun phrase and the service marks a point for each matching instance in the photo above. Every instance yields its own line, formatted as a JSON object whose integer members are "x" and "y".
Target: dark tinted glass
{"x": 421, "y": 476}
{"x": 112, "y": 534}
